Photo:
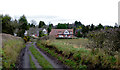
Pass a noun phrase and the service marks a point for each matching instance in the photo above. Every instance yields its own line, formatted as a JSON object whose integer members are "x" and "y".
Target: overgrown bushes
{"x": 108, "y": 39}
{"x": 26, "y": 39}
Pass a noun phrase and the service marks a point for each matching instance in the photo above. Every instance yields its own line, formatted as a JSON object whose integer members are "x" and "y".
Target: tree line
{"x": 81, "y": 30}
{"x": 19, "y": 26}
{"x": 10, "y": 26}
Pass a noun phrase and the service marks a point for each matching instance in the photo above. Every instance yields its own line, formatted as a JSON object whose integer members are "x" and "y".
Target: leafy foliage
{"x": 6, "y": 25}
{"x": 23, "y": 26}
{"x": 108, "y": 39}
{"x": 41, "y": 34}
{"x": 26, "y": 38}
{"x": 62, "y": 26}
{"x": 41, "y": 24}
{"x": 49, "y": 28}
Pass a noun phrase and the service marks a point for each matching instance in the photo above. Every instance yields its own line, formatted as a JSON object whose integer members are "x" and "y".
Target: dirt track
{"x": 27, "y": 53}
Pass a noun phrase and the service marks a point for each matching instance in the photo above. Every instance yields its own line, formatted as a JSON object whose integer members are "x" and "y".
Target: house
{"x": 62, "y": 33}
{"x": 34, "y": 31}
{"x": 25, "y": 33}
{"x": 44, "y": 31}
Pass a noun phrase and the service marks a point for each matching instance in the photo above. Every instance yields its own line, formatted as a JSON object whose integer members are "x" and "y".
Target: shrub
{"x": 26, "y": 38}
{"x": 108, "y": 39}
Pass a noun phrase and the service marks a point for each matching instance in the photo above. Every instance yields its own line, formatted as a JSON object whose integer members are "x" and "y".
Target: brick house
{"x": 62, "y": 33}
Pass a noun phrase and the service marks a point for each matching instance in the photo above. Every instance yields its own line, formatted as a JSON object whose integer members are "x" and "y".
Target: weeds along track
{"x": 79, "y": 58}
{"x": 35, "y": 58}
{"x": 40, "y": 59}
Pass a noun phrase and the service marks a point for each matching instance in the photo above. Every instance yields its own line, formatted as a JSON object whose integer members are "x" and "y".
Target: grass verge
{"x": 11, "y": 47}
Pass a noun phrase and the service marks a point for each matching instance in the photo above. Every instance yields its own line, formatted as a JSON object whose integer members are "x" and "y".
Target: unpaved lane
{"x": 34, "y": 60}
{"x": 52, "y": 62}
{"x": 26, "y": 61}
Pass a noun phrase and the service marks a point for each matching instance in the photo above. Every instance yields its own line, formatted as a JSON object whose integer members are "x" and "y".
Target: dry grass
{"x": 81, "y": 42}
{"x": 95, "y": 58}
{"x": 11, "y": 47}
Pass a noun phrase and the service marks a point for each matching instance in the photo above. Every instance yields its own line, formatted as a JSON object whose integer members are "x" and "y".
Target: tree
{"x": 6, "y": 25}
{"x": 100, "y": 26}
{"x": 33, "y": 23}
{"x": 62, "y": 26}
{"x": 77, "y": 24}
{"x": 15, "y": 24}
{"x": 41, "y": 24}
{"x": 23, "y": 23}
{"x": 92, "y": 27}
{"x": 49, "y": 28}
{"x": 79, "y": 34}
{"x": 40, "y": 34}
{"x": 23, "y": 26}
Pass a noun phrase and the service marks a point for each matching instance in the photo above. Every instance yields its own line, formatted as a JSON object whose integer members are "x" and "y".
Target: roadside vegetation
{"x": 41, "y": 60}
{"x": 74, "y": 53}
{"x": 11, "y": 47}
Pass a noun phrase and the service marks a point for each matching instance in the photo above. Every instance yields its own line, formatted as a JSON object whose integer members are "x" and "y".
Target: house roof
{"x": 55, "y": 31}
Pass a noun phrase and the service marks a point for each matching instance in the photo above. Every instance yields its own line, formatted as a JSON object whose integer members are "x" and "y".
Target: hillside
{"x": 11, "y": 47}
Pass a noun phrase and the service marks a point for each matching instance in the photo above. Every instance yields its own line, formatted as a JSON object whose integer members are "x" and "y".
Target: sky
{"x": 63, "y": 11}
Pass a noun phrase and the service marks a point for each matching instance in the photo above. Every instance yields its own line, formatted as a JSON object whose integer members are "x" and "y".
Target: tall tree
{"x": 62, "y": 26}
{"x": 92, "y": 27}
{"x": 77, "y": 24}
{"x": 23, "y": 26}
{"x": 23, "y": 22}
{"x": 100, "y": 26}
{"x": 6, "y": 25}
{"x": 41, "y": 24}
{"x": 49, "y": 28}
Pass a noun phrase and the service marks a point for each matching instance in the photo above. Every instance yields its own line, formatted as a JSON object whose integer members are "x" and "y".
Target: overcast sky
{"x": 63, "y": 11}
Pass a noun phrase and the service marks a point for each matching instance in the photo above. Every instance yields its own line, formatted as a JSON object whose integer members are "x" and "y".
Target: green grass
{"x": 11, "y": 47}
{"x": 41, "y": 60}
{"x": 82, "y": 57}
{"x": 32, "y": 63}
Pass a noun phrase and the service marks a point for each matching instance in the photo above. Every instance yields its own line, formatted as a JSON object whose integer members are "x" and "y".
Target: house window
{"x": 59, "y": 32}
{"x": 60, "y": 35}
{"x": 65, "y": 35}
{"x": 66, "y": 32}
{"x": 71, "y": 32}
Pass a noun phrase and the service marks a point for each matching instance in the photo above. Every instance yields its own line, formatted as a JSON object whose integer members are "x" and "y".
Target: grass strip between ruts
{"x": 32, "y": 64}
{"x": 41, "y": 60}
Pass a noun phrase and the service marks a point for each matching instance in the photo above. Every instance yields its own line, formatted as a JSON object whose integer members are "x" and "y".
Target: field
{"x": 74, "y": 53}
{"x": 11, "y": 47}
{"x": 81, "y": 42}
